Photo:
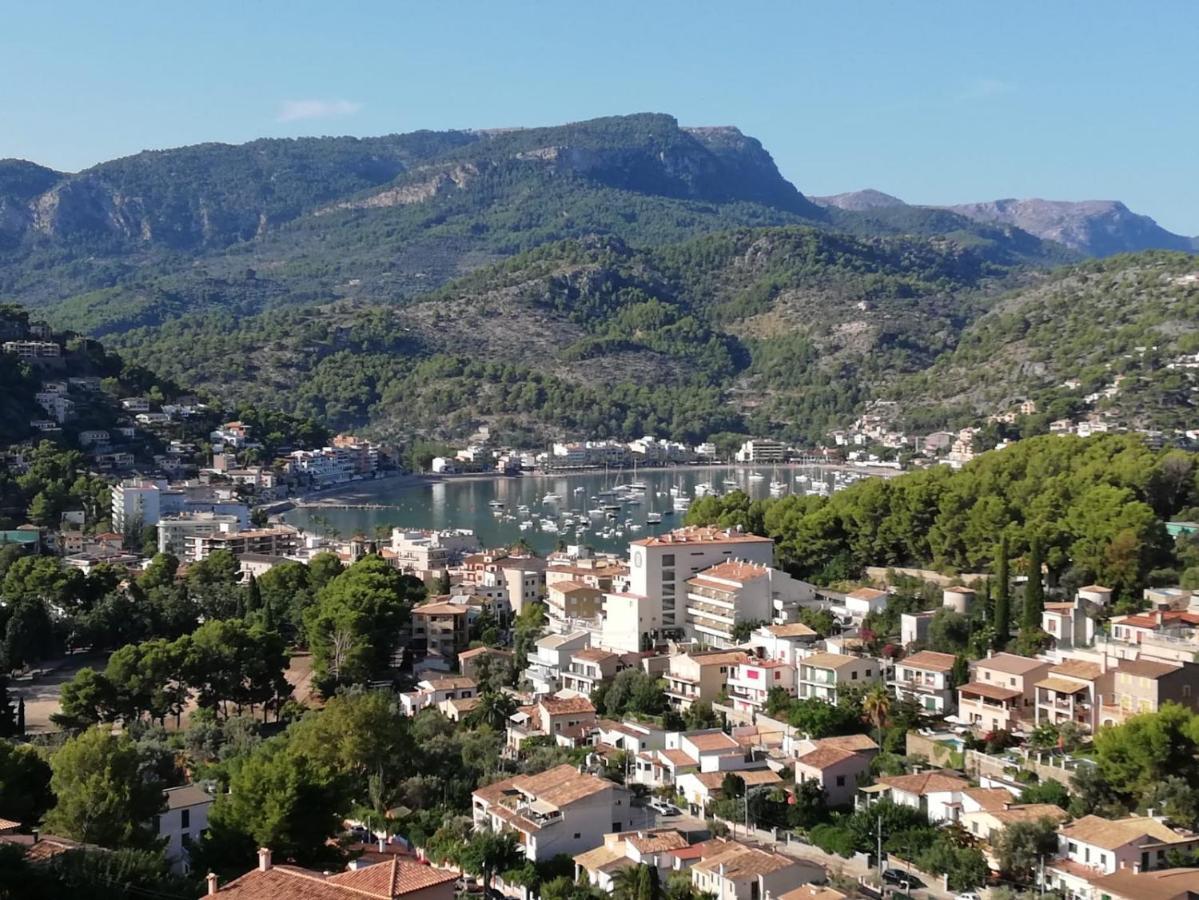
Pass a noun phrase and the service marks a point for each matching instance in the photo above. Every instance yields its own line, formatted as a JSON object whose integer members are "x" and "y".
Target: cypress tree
{"x": 1034, "y": 590}
{"x": 253, "y": 595}
{"x": 1003, "y": 600}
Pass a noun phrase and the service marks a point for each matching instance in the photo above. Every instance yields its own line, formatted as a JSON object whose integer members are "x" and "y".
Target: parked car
{"x": 664, "y": 807}
{"x": 901, "y": 878}
{"x": 967, "y": 895}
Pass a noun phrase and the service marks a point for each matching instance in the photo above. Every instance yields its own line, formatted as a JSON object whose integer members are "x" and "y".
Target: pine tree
{"x": 1034, "y": 590}
{"x": 1003, "y": 600}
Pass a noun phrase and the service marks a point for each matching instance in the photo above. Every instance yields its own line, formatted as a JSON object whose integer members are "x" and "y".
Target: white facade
{"x": 184, "y": 820}
{"x": 659, "y": 567}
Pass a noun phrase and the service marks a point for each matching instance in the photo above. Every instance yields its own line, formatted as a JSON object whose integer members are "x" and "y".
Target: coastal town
{"x": 443, "y": 456}
{"x": 686, "y": 711}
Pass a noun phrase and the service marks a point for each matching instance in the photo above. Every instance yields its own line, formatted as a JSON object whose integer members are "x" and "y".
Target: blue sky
{"x": 933, "y": 102}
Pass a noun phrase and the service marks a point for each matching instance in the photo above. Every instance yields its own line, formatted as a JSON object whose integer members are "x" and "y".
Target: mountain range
{"x": 611, "y": 277}
{"x": 1092, "y": 227}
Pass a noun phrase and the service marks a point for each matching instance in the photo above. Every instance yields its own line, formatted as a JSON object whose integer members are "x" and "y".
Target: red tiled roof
{"x": 382, "y": 881}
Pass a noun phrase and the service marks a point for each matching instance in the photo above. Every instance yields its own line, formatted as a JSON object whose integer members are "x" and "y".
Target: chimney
{"x": 212, "y": 888}
{"x": 36, "y": 835}
{"x": 264, "y": 859}
{"x": 381, "y": 844}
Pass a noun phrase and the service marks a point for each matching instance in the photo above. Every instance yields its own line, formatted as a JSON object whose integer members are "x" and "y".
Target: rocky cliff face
{"x": 1094, "y": 227}
{"x": 860, "y": 201}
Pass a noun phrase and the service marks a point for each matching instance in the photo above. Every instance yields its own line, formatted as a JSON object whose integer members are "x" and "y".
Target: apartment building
{"x": 1068, "y": 624}
{"x": 569, "y": 720}
{"x": 281, "y": 540}
{"x": 837, "y": 764}
{"x": 1002, "y": 693}
{"x": 1143, "y": 685}
{"x": 695, "y": 677}
{"x": 823, "y": 675}
{"x": 787, "y": 643}
{"x": 569, "y": 603}
{"x": 560, "y": 810}
{"x": 1092, "y": 847}
{"x": 32, "y": 351}
{"x": 440, "y": 628}
{"x": 470, "y": 662}
{"x": 427, "y": 554}
{"x": 751, "y": 682}
{"x": 1072, "y": 692}
{"x": 660, "y": 566}
{"x": 925, "y": 678}
{"x": 435, "y": 690}
{"x": 551, "y": 657}
{"x": 762, "y": 450}
{"x": 175, "y": 532}
{"x": 737, "y": 871}
{"x": 593, "y": 666}
{"x": 734, "y": 591}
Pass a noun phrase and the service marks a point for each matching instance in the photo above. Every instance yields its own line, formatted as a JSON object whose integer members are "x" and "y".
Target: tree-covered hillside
{"x": 768, "y": 330}
{"x": 1116, "y": 331}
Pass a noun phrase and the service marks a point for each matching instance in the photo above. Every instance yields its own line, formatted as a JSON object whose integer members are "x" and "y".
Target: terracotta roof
{"x": 1109, "y": 834}
{"x": 560, "y": 786}
{"x": 657, "y": 841}
{"x": 830, "y": 660}
{"x": 678, "y": 758}
{"x": 187, "y": 795}
{"x": 593, "y": 654}
{"x": 1163, "y": 884}
{"x": 824, "y": 757}
{"x": 1146, "y": 668}
{"x": 1078, "y": 668}
{"x": 560, "y": 706}
{"x": 792, "y": 629}
{"x": 854, "y": 742}
{"x": 1059, "y": 607}
{"x": 8, "y": 824}
{"x": 1095, "y": 587}
{"x": 719, "y": 657}
{"x": 755, "y": 777}
{"x": 930, "y": 660}
{"x": 382, "y": 881}
{"x": 866, "y": 594}
{"x": 1062, "y": 685}
{"x": 990, "y": 799}
{"x": 480, "y": 651}
{"x": 440, "y": 609}
{"x": 450, "y": 682}
{"x": 571, "y": 587}
{"x": 601, "y": 856}
{"x": 1010, "y": 663}
{"x": 813, "y": 892}
{"x": 734, "y": 570}
{"x": 990, "y": 691}
{"x": 716, "y": 740}
{"x": 1030, "y": 812}
{"x": 701, "y": 534}
{"x": 463, "y": 704}
{"x": 925, "y": 783}
{"x": 741, "y": 861}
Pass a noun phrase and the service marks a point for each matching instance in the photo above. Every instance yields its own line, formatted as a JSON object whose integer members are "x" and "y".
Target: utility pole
{"x": 880, "y": 848}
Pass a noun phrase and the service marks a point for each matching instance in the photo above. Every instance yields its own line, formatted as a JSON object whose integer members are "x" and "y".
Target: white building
{"x": 660, "y": 566}
{"x": 183, "y": 820}
{"x": 762, "y": 451}
{"x": 560, "y": 810}
{"x": 734, "y": 591}
{"x": 175, "y": 533}
{"x": 551, "y": 658}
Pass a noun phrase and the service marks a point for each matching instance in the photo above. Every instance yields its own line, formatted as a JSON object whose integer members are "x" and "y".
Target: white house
{"x": 183, "y": 820}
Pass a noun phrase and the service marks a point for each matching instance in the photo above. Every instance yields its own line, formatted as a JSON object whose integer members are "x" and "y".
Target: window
{"x": 185, "y": 818}
{"x": 853, "y": 676}
{"x": 668, "y": 559}
{"x": 840, "y": 781}
{"x": 577, "y": 835}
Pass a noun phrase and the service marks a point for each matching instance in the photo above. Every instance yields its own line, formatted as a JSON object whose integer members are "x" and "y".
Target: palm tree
{"x": 493, "y": 709}
{"x": 876, "y": 706}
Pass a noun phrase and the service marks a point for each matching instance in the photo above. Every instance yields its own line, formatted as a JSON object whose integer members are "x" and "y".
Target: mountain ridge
{"x": 1093, "y": 227}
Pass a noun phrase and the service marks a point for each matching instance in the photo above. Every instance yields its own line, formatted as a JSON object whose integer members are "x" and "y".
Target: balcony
{"x": 719, "y": 598}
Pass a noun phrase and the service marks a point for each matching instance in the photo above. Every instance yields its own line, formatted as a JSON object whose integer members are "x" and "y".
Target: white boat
{"x": 682, "y": 504}
{"x": 635, "y": 527}
{"x": 677, "y": 490}
{"x": 756, "y": 476}
{"x": 551, "y": 497}
{"x": 580, "y": 490}
{"x": 653, "y": 518}
{"x": 496, "y": 504}
{"x": 704, "y": 489}
{"x": 777, "y": 487}
{"x": 638, "y": 486}
{"x": 526, "y": 525}
{"x": 731, "y": 482}
{"x": 549, "y": 525}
